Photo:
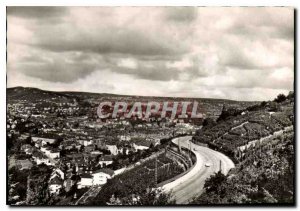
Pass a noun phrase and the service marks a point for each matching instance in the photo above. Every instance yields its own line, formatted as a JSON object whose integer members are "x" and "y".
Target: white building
{"x": 55, "y": 185}
{"x": 53, "y": 154}
{"x": 113, "y": 149}
{"x": 42, "y": 159}
{"x": 86, "y": 181}
{"x": 105, "y": 160}
{"x": 139, "y": 147}
{"x": 101, "y": 176}
{"x": 44, "y": 140}
{"x": 86, "y": 142}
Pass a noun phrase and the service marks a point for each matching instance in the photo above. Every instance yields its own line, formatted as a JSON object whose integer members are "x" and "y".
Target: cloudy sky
{"x": 235, "y": 53}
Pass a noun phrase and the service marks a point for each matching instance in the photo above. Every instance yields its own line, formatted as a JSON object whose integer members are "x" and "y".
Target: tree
{"x": 209, "y": 122}
{"x": 291, "y": 95}
{"x": 37, "y": 185}
{"x": 263, "y": 104}
{"x": 280, "y": 98}
{"x": 213, "y": 184}
{"x": 227, "y": 113}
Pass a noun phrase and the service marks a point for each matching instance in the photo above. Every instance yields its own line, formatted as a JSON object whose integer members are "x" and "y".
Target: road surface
{"x": 191, "y": 184}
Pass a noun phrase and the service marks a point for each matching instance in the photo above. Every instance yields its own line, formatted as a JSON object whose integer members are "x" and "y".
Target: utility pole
{"x": 179, "y": 146}
{"x": 259, "y": 142}
{"x": 28, "y": 189}
{"x": 155, "y": 174}
{"x": 220, "y": 166}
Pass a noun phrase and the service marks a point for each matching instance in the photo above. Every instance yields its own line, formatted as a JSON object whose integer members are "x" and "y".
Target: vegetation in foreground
{"x": 137, "y": 186}
{"x": 264, "y": 173}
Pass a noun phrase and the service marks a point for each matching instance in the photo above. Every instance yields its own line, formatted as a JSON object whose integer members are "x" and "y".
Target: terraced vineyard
{"x": 265, "y": 174}
{"x": 227, "y": 135}
{"x": 261, "y": 142}
{"x": 167, "y": 168}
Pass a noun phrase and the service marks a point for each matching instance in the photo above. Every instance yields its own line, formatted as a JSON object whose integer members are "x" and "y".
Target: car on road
{"x": 207, "y": 164}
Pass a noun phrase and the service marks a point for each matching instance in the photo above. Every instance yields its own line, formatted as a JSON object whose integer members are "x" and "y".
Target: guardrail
{"x": 180, "y": 157}
{"x": 179, "y": 175}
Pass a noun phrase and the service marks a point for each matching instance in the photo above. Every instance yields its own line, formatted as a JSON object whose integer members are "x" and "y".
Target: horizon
{"x": 128, "y": 95}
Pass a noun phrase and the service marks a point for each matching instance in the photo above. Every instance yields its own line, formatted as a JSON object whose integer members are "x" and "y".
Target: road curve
{"x": 191, "y": 184}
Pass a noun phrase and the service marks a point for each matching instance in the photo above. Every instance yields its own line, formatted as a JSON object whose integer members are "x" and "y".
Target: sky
{"x": 238, "y": 53}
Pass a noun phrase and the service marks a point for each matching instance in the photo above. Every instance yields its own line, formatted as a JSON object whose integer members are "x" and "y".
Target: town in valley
{"x": 61, "y": 153}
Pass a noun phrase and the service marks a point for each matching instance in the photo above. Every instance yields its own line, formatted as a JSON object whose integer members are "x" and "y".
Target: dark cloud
{"x": 238, "y": 59}
{"x": 159, "y": 72}
{"x": 108, "y": 41}
{"x": 58, "y": 71}
{"x": 285, "y": 33}
{"x": 257, "y": 32}
{"x": 257, "y": 23}
{"x": 73, "y": 66}
{"x": 32, "y": 59}
{"x": 181, "y": 14}
{"x": 36, "y": 12}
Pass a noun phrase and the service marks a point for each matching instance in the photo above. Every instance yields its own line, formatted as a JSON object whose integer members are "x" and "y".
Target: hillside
{"x": 264, "y": 175}
{"x": 232, "y": 132}
{"x": 261, "y": 142}
{"x": 211, "y": 107}
{"x": 29, "y": 94}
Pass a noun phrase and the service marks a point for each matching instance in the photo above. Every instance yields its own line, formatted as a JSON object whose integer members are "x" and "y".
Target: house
{"x": 101, "y": 176}
{"x": 124, "y": 138}
{"x": 40, "y": 158}
{"x": 56, "y": 181}
{"x": 53, "y": 154}
{"x": 58, "y": 172}
{"x": 44, "y": 149}
{"x": 50, "y": 152}
{"x": 89, "y": 148}
{"x": 55, "y": 185}
{"x": 24, "y": 136}
{"x": 27, "y": 148}
{"x": 44, "y": 140}
{"x": 29, "y": 151}
{"x": 105, "y": 160}
{"x": 43, "y": 159}
{"x": 68, "y": 183}
{"x": 139, "y": 147}
{"x": 96, "y": 152}
{"x": 123, "y": 150}
{"x": 113, "y": 149}
{"x": 100, "y": 144}
{"x": 38, "y": 144}
{"x": 85, "y": 181}
{"x": 86, "y": 142}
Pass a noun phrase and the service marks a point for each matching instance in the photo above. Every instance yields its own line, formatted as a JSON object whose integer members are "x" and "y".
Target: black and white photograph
{"x": 150, "y": 106}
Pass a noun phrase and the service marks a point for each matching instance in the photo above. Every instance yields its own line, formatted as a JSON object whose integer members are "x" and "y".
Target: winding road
{"x": 191, "y": 184}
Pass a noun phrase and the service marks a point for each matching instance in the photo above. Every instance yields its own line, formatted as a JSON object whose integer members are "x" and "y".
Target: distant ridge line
{"x": 120, "y": 95}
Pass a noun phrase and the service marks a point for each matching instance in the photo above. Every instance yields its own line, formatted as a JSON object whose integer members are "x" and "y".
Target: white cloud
{"x": 238, "y": 53}
{"x": 128, "y": 63}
